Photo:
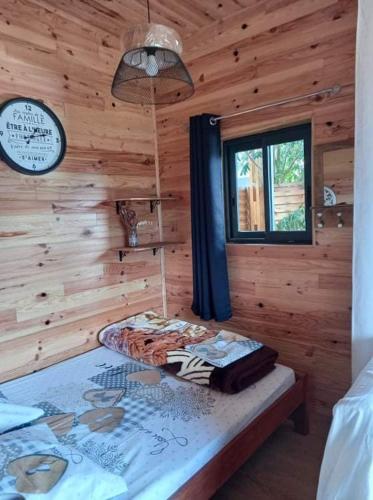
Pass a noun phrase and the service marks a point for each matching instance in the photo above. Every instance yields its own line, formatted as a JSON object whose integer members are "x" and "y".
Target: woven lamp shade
{"x": 151, "y": 70}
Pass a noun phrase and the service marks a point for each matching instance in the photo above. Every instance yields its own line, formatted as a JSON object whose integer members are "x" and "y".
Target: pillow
{"x": 15, "y": 415}
{"x": 35, "y": 465}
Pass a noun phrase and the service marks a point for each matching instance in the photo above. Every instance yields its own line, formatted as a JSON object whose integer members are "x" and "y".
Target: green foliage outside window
{"x": 292, "y": 222}
{"x": 288, "y": 168}
{"x": 243, "y": 159}
{"x": 288, "y": 162}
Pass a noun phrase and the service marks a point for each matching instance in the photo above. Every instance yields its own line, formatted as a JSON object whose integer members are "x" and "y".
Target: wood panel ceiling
{"x": 116, "y": 16}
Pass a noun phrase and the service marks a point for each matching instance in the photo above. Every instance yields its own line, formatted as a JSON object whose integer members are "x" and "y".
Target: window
{"x": 268, "y": 187}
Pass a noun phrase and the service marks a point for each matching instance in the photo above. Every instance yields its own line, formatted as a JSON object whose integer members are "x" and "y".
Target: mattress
{"x": 139, "y": 422}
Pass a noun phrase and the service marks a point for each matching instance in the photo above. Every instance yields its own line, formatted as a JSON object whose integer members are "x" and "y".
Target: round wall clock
{"x": 32, "y": 139}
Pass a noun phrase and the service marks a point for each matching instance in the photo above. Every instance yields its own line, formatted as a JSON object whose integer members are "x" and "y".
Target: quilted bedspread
{"x": 136, "y": 421}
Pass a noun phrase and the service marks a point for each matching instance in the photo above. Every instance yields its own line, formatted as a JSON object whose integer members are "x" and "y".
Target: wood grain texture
{"x": 59, "y": 274}
{"x": 60, "y": 280}
{"x": 297, "y": 299}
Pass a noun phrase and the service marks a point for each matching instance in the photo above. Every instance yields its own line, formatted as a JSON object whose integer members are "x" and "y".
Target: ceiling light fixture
{"x": 151, "y": 70}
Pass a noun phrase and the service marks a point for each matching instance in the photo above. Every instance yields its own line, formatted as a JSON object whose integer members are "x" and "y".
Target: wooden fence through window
{"x": 287, "y": 199}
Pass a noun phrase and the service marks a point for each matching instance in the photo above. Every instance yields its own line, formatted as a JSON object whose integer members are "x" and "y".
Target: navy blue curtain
{"x": 210, "y": 276}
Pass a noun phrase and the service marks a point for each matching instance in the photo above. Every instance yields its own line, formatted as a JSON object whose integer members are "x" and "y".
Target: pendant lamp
{"x": 151, "y": 70}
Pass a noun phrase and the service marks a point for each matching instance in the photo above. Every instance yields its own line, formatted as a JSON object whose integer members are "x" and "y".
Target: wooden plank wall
{"x": 60, "y": 280}
{"x": 295, "y": 298}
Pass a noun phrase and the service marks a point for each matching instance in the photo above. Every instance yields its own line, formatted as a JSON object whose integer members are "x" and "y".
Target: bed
{"x": 347, "y": 467}
{"x": 165, "y": 436}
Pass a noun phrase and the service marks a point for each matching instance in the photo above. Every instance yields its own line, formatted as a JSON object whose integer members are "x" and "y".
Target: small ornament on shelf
{"x": 130, "y": 221}
{"x": 133, "y": 239}
{"x": 330, "y": 198}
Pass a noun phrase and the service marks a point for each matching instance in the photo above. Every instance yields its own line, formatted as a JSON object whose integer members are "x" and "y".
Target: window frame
{"x": 264, "y": 141}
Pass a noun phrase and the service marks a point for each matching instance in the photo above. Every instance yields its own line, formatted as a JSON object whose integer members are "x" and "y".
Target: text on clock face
{"x": 30, "y": 136}
{"x": 32, "y": 139}
{"x": 27, "y": 128}
{"x": 28, "y": 115}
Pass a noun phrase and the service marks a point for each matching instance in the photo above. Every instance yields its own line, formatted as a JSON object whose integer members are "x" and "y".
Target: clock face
{"x": 32, "y": 139}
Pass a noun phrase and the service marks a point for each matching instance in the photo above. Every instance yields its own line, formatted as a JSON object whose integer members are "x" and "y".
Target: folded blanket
{"x": 225, "y": 348}
{"x": 148, "y": 337}
{"x": 223, "y": 360}
{"x": 231, "y": 379}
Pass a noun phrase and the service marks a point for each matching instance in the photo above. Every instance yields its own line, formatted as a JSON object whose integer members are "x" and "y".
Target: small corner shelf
{"x": 337, "y": 206}
{"x": 153, "y": 201}
{"x": 154, "y": 246}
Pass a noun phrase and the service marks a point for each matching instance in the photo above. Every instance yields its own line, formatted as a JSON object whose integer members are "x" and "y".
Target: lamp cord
{"x": 147, "y": 2}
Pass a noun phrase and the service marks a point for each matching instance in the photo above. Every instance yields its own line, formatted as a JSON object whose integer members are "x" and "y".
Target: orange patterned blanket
{"x": 223, "y": 360}
{"x": 148, "y": 337}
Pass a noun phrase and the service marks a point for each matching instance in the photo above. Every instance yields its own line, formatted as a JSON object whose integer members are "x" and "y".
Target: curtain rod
{"x": 330, "y": 91}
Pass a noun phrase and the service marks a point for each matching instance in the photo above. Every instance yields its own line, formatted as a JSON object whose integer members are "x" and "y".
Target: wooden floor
{"x": 286, "y": 467}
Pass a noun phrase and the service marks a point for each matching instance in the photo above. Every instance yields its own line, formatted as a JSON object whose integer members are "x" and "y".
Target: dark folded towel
{"x": 245, "y": 371}
{"x": 231, "y": 379}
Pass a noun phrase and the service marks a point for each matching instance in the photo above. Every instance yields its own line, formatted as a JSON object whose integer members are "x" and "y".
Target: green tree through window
{"x": 288, "y": 159}
{"x": 288, "y": 162}
{"x": 269, "y": 186}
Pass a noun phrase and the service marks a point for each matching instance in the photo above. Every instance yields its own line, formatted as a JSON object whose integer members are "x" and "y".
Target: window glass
{"x": 286, "y": 161}
{"x": 268, "y": 187}
{"x": 250, "y": 190}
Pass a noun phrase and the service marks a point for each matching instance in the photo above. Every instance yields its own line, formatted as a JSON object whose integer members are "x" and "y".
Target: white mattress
{"x": 347, "y": 467}
{"x": 171, "y": 428}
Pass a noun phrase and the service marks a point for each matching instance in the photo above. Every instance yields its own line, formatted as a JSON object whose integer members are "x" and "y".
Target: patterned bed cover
{"x": 139, "y": 422}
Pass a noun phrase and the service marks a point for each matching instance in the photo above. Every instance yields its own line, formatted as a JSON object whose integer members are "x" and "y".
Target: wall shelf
{"x": 337, "y": 206}
{"x": 153, "y": 201}
{"x": 154, "y": 246}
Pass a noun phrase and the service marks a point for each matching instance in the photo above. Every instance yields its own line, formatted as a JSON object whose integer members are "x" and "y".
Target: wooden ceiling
{"x": 116, "y": 16}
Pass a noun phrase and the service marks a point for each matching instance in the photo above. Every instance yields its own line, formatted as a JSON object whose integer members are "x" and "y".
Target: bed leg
{"x": 300, "y": 419}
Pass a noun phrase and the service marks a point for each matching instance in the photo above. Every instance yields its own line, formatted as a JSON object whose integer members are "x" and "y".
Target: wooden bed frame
{"x": 291, "y": 405}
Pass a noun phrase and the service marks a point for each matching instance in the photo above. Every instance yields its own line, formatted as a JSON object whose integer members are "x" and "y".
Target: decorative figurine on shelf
{"x": 129, "y": 220}
{"x": 330, "y": 198}
{"x": 131, "y": 223}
